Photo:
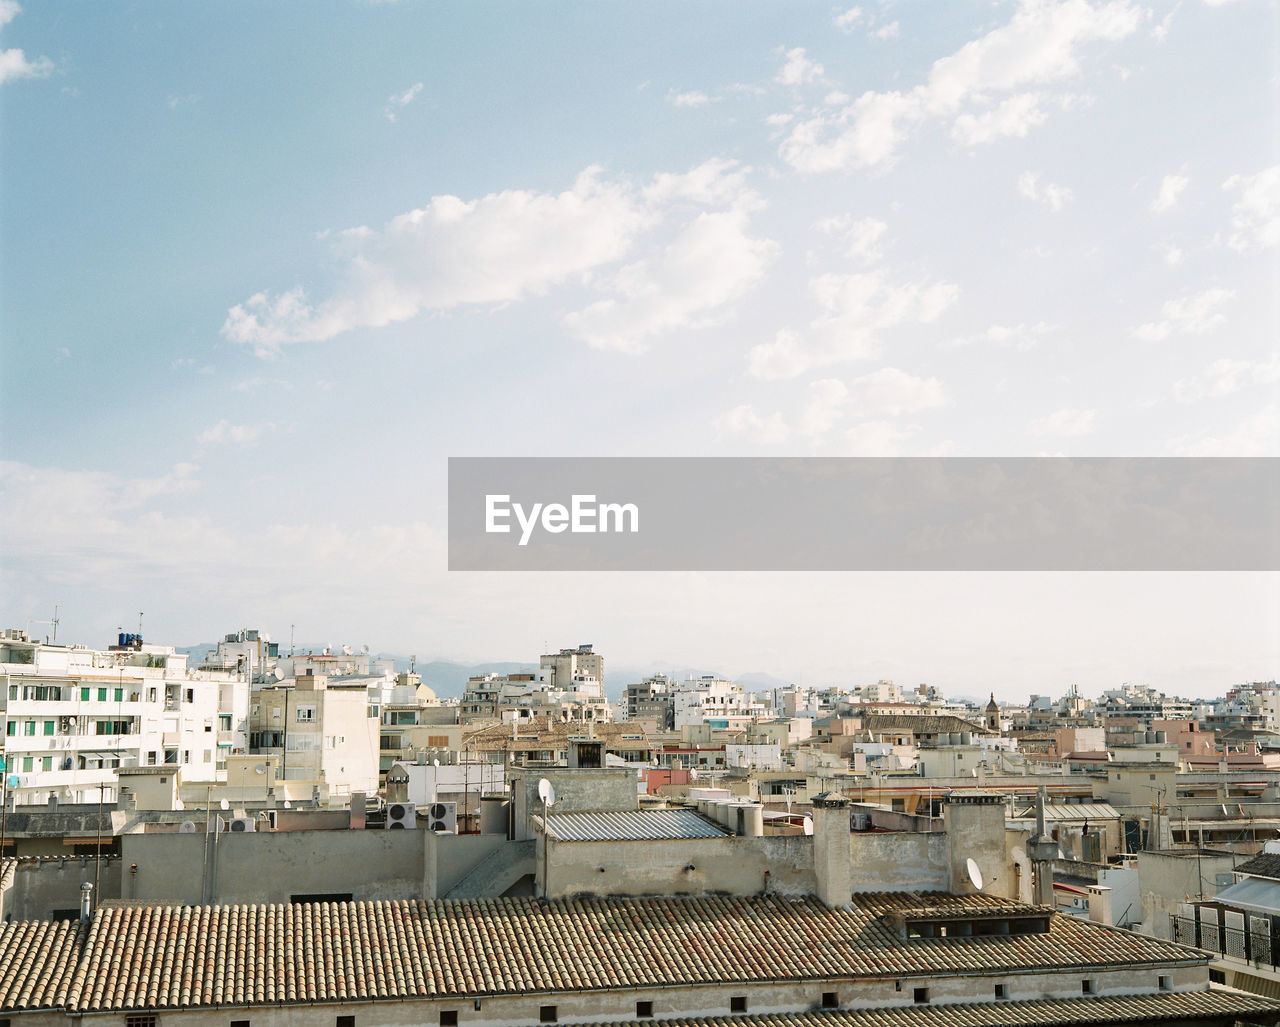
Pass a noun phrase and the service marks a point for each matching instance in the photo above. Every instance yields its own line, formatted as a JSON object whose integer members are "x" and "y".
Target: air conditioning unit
{"x": 242, "y": 824}
{"x": 402, "y": 816}
{"x": 443, "y": 817}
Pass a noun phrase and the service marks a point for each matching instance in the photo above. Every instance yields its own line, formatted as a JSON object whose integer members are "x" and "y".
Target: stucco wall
{"x": 41, "y": 886}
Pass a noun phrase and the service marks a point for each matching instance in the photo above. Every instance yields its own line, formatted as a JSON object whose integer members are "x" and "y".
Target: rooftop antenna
{"x": 291, "y": 640}
{"x": 139, "y": 622}
{"x": 413, "y": 662}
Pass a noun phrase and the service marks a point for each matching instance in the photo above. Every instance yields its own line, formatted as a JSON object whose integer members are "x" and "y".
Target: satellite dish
{"x": 806, "y": 825}
{"x": 435, "y": 762}
{"x": 546, "y": 792}
{"x": 224, "y": 804}
{"x": 288, "y": 804}
{"x": 279, "y": 673}
{"x": 187, "y": 827}
{"x": 261, "y": 768}
{"x": 975, "y": 873}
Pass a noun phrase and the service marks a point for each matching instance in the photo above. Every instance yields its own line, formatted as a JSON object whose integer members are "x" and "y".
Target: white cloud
{"x": 397, "y": 101}
{"x": 1020, "y": 337}
{"x": 878, "y": 438}
{"x": 1257, "y": 435}
{"x": 497, "y": 249}
{"x": 236, "y": 434}
{"x": 797, "y": 69}
{"x": 1173, "y": 255}
{"x": 861, "y": 236}
{"x": 825, "y": 406}
{"x": 1040, "y": 44}
{"x": 1014, "y": 117}
{"x": 744, "y": 422}
{"x": 711, "y": 263}
{"x": 693, "y": 98}
{"x": 14, "y": 63}
{"x": 1065, "y": 423}
{"x": 1189, "y": 315}
{"x": 1052, "y": 195}
{"x": 1225, "y": 376}
{"x": 848, "y": 20}
{"x": 175, "y": 101}
{"x": 889, "y": 31}
{"x": 894, "y": 392}
{"x": 856, "y": 308}
{"x": 1166, "y": 197}
{"x": 1256, "y": 215}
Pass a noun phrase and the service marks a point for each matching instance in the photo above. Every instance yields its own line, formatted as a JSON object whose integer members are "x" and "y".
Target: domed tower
{"x": 993, "y": 715}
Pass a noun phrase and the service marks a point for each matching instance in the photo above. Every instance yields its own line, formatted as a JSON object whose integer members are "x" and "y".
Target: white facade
{"x": 72, "y": 715}
{"x": 697, "y": 699}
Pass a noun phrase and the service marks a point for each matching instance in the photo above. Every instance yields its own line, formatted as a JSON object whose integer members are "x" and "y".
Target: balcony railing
{"x": 1256, "y": 942}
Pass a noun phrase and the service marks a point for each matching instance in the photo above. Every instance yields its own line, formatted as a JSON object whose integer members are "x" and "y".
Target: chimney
{"x": 832, "y": 849}
{"x": 86, "y": 901}
{"x": 1100, "y": 904}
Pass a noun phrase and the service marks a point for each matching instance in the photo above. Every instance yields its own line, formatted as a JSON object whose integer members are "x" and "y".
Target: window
{"x": 191, "y": 695}
{"x": 830, "y": 1000}
{"x": 346, "y": 1021}
{"x": 48, "y": 727}
{"x": 547, "y": 1014}
{"x": 306, "y": 714}
{"x": 920, "y": 995}
{"x": 240, "y": 1023}
{"x": 140, "y": 1020}
{"x": 1217, "y": 977}
{"x": 738, "y": 1004}
{"x": 1163, "y": 982}
{"x": 448, "y": 1018}
{"x": 27, "y": 764}
{"x": 224, "y": 721}
{"x": 644, "y": 1009}
{"x": 102, "y": 695}
{"x": 1086, "y": 987}
{"x": 84, "y": 695}
{"x": 46, "y": 763}
{"x": 29, "y": 727}
{"x": 1001, "y": 991}
{"x": 151, "y": 758}
{"x": 11, "y": 728}
{"x": 119, "y": 695}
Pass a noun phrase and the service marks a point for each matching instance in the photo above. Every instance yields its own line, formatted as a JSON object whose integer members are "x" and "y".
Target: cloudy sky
{"x": 265, "y": 267}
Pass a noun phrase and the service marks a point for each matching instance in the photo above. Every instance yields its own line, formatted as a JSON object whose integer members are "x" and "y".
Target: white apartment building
{"x": 700, "y": 699}
{"x": 73, "y": 715}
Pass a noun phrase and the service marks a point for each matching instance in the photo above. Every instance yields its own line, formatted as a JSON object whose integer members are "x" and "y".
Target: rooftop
{"x": 632, "y": 825}
{"x": 158, "y": 957}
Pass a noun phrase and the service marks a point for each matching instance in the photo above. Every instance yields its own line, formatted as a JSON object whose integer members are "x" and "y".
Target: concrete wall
{"x": 737, "y": 866}
{"x": 1166, "y": 880}
{"x": 711, "y": 1000}
{"x": 271, "y": 866}
{"x": 575, "y": 790}
{"x": 41, "y": 886}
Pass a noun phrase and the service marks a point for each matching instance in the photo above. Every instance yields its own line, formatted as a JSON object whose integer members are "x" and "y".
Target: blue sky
{"x": 267, "y": 265}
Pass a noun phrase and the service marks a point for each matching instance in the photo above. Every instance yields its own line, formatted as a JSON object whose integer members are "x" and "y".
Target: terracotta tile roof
{"x": 37, "y": 958}
{"x": 156, "y": 957}
{"x": 1157, "y": 1009}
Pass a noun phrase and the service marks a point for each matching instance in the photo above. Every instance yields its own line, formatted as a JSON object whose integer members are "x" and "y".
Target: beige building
{"x": 320, "y": 730}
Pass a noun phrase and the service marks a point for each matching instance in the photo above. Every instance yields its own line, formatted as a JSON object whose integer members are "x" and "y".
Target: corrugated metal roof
{"x": 633, "y": 826}
{"x": 1253, "y": 893}
{"x": 1056, "y": 812}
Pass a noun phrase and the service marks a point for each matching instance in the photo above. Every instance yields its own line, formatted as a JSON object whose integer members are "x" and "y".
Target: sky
{"x": 266, "y": 266}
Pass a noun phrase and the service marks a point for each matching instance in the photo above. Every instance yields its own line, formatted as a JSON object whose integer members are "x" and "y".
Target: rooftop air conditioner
{"x": 242, "y": 824}
{"x": 401, "y": 816}
{"x": 443, "y": 817}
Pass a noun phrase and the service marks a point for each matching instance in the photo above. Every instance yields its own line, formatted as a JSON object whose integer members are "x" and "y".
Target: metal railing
{"x": 1257, "y": 942}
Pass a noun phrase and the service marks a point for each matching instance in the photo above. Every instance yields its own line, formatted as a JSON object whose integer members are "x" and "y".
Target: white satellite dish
{"x": 187, "y": 827}
{"x": 288, "y": 804}
{"x": 806, "y": 825}
{"x": 261, "y": 768}
{"x": 279, "y": 673}
{"x": 224, "y": 804}
{"x": 975, "y": 873}
{"x": 546, "y": 792}
{"x": 435, "y": 762}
